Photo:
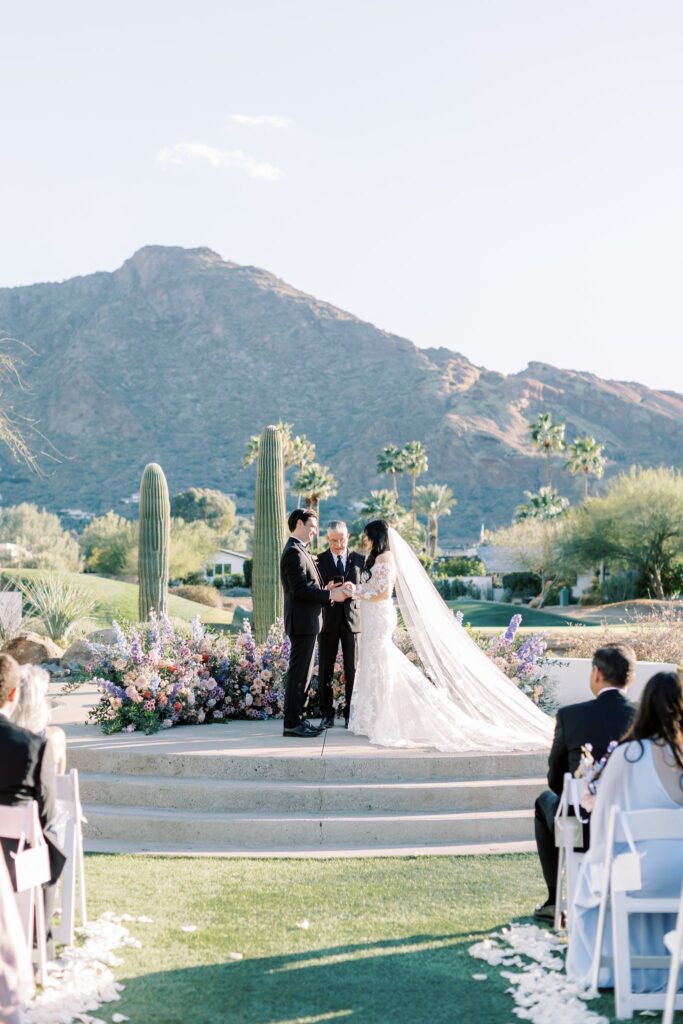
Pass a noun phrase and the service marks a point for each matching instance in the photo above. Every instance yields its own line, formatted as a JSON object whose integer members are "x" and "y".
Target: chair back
{"x": 646, "y": 825}
{"x": 21, "y": 820}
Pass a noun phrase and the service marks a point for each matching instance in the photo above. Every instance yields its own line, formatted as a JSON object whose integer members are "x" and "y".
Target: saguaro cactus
{"x": 154, "y": 542}
{"x": 270, "y": 533}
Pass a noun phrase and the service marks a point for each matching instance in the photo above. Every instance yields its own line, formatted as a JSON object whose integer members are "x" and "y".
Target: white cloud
{"x": 226, "y": 159}
{"x": 261, "y": 120}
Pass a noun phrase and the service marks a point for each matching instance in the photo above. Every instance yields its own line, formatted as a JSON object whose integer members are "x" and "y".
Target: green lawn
{"x": 497, "y": 613}
{"x": 387, "y": 941}
{"x": 115, "y": 599}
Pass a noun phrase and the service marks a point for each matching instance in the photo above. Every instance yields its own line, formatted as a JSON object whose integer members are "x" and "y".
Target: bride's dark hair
{"x": 377, "y": 533}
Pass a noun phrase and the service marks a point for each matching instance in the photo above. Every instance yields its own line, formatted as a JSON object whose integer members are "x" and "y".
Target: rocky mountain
{"x": 179, "y": 356}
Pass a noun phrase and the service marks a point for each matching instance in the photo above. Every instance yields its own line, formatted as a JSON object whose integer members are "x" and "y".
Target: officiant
{"x": 341, "y": 621}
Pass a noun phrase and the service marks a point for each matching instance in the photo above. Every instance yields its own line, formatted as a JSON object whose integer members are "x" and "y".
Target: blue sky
{"x": 501, "y": 177}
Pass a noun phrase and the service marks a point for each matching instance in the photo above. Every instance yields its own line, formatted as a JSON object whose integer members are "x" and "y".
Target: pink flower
{"x": 130, "y": 728}
{"x": 133, "y": 695}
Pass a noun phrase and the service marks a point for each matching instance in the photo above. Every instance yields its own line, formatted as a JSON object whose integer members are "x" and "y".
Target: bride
{"x": 462, "y": 701}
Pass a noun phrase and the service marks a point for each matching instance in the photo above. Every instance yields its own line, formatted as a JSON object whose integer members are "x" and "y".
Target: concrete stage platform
{"x": 242, "y": 789}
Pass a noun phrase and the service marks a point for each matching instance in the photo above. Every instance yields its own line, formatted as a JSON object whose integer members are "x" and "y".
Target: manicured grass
{"x": 497, "y": 613}
{"x": 387, "y": 941}
{"x": 115, "y": 599}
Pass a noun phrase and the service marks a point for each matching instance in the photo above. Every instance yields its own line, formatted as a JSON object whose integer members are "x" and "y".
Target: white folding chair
{"x": 674, "y": 941}
{"x": 21, "y": 822}
{"x": 617, "y": 884}
{"x": 568, "y": 835}
{"x": 71, "y": 814}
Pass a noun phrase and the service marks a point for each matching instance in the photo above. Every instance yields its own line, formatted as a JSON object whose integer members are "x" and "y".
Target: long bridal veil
{"x": 454, "y": 663}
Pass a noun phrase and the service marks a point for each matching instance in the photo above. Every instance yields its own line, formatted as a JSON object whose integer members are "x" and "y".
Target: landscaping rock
{"x": 79, "y": 652}
{"x": 102, "y": 636}
{"x": 33, "y": 649}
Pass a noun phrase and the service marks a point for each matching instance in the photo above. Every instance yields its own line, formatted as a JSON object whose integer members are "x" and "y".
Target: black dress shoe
{"x": 327, "y": 722}
{"x": 302, "y": 729}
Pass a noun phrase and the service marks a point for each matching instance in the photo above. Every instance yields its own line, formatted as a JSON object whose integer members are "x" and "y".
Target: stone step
{"x": 232, "y": 831}
{"x": 129, "y": 846}
{"x": 391, "y": 766}
{"x": 219, "y": 795}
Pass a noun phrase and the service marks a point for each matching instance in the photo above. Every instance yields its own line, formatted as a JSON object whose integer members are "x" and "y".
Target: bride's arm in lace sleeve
{"x": 381, "y": 583}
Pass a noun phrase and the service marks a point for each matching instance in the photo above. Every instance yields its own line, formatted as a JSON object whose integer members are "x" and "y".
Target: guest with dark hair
{"x": 27, "y": 772}
{"x": 598, "y": 722}
{"x": 645, "y": 772}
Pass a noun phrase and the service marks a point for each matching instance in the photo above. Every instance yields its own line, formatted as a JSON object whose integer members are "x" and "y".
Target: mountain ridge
{"x": 178, "y": 356}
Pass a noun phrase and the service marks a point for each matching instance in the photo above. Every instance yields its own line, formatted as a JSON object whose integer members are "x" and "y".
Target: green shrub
{"x": 202, "y": 593}
{"x": 460, "y": 565}
{"x": 56, "y": 602}
{"x": 41, "y": 534}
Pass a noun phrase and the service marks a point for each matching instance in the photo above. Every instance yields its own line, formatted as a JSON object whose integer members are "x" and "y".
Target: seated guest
{"x": 27, "y": 772}
{"x": 598, "y": 722}
{"x": 32, "y": 712}
{"x": 644, "y": 773}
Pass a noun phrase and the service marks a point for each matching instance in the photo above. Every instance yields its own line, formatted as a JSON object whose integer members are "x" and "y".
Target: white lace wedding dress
{"x": 463, "y": 703}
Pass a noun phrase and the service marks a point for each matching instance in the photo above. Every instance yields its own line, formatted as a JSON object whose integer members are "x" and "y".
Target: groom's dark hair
{"x": 617, "y": 664}
{"x": 299, "y": 515}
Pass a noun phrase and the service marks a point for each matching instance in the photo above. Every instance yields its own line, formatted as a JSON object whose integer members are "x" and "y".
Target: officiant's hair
{"x": 337, "y": 524}
{"x": 299, "y": 515}
{"x": 377, "y": 533}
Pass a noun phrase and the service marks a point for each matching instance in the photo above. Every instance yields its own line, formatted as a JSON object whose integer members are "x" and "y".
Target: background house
{"x": 224, "y": 563}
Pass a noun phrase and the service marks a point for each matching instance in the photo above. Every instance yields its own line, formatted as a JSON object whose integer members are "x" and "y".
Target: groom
{"x": 305, "y": 599}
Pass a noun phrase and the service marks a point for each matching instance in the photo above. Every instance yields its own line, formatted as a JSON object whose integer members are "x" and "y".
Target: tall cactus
{"x": 154, "y": 542}
{"x": 270, "y": 532}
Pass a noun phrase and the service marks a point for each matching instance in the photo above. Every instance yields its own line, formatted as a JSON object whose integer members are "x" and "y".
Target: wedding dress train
{"x": 461, "y": 702}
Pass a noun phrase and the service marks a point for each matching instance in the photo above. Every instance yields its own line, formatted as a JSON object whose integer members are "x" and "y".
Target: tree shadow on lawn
{"x": 417, "y": 978}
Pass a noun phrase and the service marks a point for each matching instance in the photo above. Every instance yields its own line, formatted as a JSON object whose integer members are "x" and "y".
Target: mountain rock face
{"x": 179, "y": 356}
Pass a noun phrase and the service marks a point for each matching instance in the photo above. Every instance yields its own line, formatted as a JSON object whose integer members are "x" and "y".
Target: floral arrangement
{"x": 589, "y": 771}
{"x": 521, "y": 659}
{"x": 155, "y": 676}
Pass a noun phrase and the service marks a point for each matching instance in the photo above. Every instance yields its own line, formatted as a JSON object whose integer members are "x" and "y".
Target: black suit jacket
{"x": 598, "y": 721}
{"x": 305, "y": 596}
{"x": 341, "y": 611}
{"x": 27, "y": 772}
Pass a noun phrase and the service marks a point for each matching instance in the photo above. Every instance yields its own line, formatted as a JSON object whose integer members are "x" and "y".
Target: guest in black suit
{"x": 341, "y": 622}
{"x": 305, "y": 598}
{"x": 599, "y": 722}
{"x": 27, "y": 772}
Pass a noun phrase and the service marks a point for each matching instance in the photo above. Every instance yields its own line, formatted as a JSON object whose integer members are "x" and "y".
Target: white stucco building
{"x": 224, "y": 563}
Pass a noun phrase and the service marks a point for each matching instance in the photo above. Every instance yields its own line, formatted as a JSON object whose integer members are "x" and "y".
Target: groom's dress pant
{"x": 298, "y": 677}
{"x": 328, "y": 645}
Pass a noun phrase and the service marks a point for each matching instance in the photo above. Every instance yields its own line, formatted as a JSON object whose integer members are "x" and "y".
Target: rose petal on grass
{"x": 235, "y": 956}
{"x": 189, "y": 928}
{"x": 303, "y": 924}
{"x": 480, "y": 977}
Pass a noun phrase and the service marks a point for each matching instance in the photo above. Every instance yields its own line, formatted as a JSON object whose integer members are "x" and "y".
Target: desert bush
{"x": 56, "y": 603}
{"x": 109, "y": 545}
{"x": 655, "y": 636}
{"x": 203, "y": 593}
{"x": 41, "y": 534}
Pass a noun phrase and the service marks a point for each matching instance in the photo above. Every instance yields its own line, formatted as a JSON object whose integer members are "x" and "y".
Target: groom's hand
{"x": 337, "y": 594}
{"x": 332, "y": 585}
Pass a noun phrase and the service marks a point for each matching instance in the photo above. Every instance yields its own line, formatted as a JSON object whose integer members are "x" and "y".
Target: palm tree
{"x": 415, "y": 462}
{"x": 549, "y": 438}
{"x": 547, "y": 504}
{"x": 315, "y": 483}
{"x": 434, "y": 501}
{"x": 390, "y": 462}
{"x": 381, "y": 505}
{"x": 585, "y": 456}
{"x": 299, "y": 453}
